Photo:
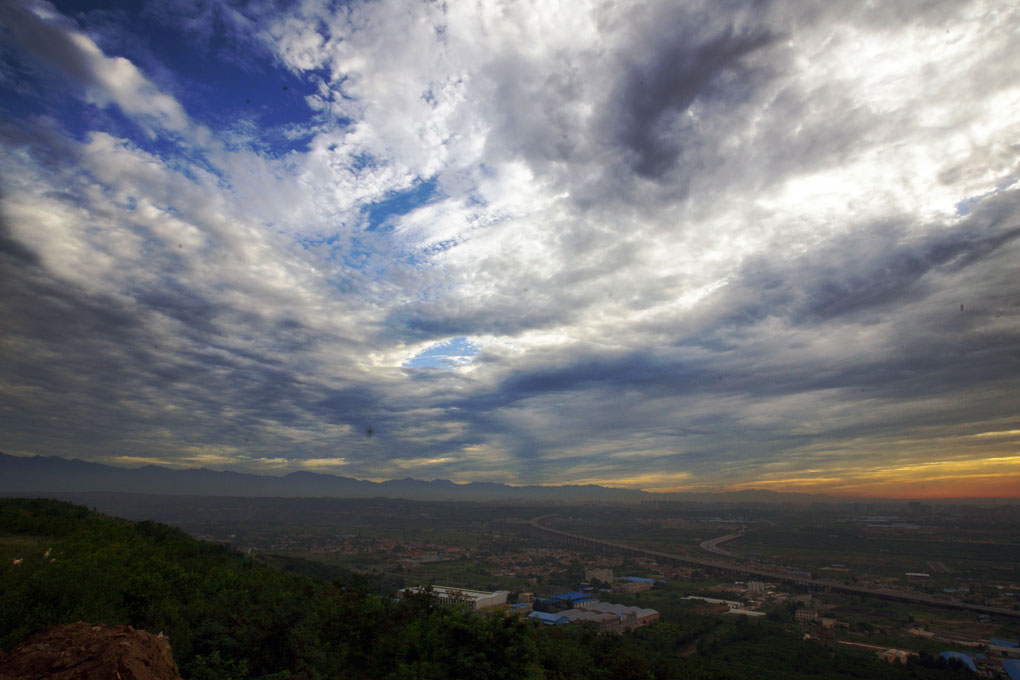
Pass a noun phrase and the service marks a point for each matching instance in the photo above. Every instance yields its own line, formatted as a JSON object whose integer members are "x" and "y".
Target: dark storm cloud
{"x": 634, "y": 371}
{"x": 100, "y": 372}
{"x": 11, "y": 249}
{"x": 876, "y": 267}
{"x": 49, "y": 41}
{"x": 654, "y": 96}
{"x": 509, "y": 317}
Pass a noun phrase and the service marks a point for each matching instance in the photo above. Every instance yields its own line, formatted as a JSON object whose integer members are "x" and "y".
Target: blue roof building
{"x": 574, "y": 599}
{"x": 1004, "y": 643}
{"x": 960, "y": 656}
{"x": 1012, "y": 668}
{"x": 636, "y": 579}
{"x": 548, "y": 619}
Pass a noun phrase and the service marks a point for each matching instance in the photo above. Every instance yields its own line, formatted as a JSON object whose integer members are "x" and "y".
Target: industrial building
{"x": 633, "y": 584}
{"x": 637, "y": 579}
{"x": 479, "y": 600}
{"x": 605, "y": 616}
{"x": 547, "y": 619}
{"x": 752, "y": 613}
{"x": 606, "y": 623}
{"x": 732, "y": 604}
{"x": 966, "y": 659}
{"x": 573, "y": 599}
{"x": 1004, "y": 648}
{"x": 628, "y": 616}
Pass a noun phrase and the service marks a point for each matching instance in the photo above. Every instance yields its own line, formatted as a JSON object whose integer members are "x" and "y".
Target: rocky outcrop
{"x": 85, "y": 651}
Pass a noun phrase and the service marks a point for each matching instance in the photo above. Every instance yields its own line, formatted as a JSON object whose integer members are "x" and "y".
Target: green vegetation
{"x": 814, "y": 546}
{"x": 230, "y": 618}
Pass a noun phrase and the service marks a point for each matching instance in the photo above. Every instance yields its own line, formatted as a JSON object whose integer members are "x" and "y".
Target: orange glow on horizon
{"x": 990, "y": 477}
{"x": 964, "y": 486}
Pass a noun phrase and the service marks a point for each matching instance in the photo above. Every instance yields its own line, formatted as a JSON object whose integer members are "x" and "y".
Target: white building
{"x": 604, "y": 575}
{"x": 479, "y": 600}
{"x": 732, "y": 604}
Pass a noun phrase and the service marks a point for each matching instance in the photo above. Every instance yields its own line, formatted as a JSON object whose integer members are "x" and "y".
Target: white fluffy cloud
{"x": 41, "y": 30}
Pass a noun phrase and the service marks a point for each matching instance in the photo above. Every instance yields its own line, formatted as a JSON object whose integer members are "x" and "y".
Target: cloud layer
{"x": 666, "y": 246}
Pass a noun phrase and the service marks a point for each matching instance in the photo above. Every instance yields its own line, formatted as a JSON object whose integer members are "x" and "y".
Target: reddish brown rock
{"x": 85, "y": 651}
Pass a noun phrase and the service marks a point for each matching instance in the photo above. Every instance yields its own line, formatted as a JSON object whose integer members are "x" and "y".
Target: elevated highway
{"x": 742, "y": 570}
{"x": 712, "y": 545}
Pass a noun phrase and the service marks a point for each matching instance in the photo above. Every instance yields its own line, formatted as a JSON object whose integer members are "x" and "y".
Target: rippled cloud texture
{"x": 660, "y": 245}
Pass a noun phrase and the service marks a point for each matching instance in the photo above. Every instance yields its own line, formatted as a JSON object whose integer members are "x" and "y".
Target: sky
{"x": 661, "y": 245}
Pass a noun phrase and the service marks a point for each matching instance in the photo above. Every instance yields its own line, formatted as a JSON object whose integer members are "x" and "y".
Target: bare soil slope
{"x": 85, "y": 651}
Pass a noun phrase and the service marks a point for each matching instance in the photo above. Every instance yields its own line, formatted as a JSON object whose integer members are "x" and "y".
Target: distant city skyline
{"x": 653, "y": 245}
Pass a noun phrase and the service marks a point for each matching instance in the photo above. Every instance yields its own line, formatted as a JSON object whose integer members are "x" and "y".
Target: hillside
{"x": 228, "y": 618}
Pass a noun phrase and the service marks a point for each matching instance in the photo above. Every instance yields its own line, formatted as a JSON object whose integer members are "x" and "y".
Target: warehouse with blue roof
{"x": 548, "y": 619}
{"x": 959, "y": 656}
{"x": 573, "y": 599}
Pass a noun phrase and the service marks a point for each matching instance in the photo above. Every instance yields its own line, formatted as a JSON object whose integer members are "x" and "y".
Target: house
{"x": 894, "y": 656}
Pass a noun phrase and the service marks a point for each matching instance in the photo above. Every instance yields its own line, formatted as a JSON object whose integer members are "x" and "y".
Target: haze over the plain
{"x": 658, "y": 245}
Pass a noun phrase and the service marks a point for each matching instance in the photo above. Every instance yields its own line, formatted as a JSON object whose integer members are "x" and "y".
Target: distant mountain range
{"x": 49, "y": 474}
{"x": 43, "y": 475}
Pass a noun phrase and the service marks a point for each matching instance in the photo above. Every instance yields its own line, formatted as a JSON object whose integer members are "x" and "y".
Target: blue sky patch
{"x": 399, "y": 203}
{"x": 447, "y": 354}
